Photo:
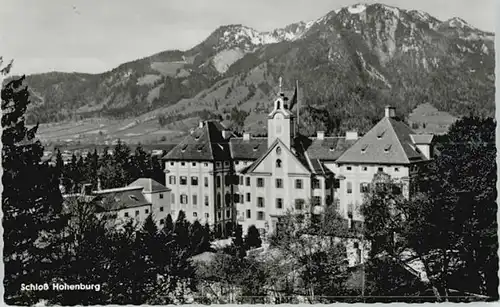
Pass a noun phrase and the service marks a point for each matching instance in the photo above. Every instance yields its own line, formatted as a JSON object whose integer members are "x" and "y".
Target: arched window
{"x": 278, "y": 104}
{"x": 228, "y": 199}
{"x": 278, "y": 150}
{"x": 278, "y": 163}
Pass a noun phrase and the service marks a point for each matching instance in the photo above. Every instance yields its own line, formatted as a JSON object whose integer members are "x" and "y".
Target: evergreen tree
{"x": 195, "y": 237}
{"x": 31, "y": 202}
{"x": 206, "y": 238}
{"x": 139, "y": 167}
{"x": 252, "y": 239}
{"x": 59, "y": 164}
{"x": 169, "y": 224}
{"x": 181, "y": 230}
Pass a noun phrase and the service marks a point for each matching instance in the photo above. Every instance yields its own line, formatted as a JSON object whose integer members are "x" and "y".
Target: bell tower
{"x": 281, "y": 121}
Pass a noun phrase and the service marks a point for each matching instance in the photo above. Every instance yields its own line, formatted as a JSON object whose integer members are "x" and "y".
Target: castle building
{"x": 222, "y": 179}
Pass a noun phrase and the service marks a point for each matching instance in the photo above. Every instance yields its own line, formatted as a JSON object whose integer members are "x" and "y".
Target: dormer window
{"x": 332, "y": 148}
{"x": 278, "y": 163}
{"x": 380, "y": 135}
{"x": 133, "y": 197}
{"x": 200, "y": 148}
{"x": 363, "y": 148}
{"x": 387, "y": 147}
{"x": 183, "y": 149}
{"x": 255, "y": 148}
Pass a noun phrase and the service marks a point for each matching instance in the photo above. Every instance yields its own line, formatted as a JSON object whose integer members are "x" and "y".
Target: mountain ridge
{"x": 357, "y": 56}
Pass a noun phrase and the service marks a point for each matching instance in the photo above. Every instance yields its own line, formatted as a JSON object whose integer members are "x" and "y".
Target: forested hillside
{"x": 349, "y": 64}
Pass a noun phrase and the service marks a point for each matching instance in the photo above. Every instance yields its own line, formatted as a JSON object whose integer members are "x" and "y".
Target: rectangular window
{"x": 248, "y": 181}
{"x": 218, "y": 181}
{"x": 195, "y": 214}
{"x": 299, "y": 204}
{"x": 260, "y": 182}
{"x": 146, "y": 211}
{"x": 162, "y": 222}
{"x": 298, "y": 184}
{"x": 249, "y": 214}
{"x": 279, "y": 183}
{"x": 237, "y": 162}
{"x": 183, "y": 180}
{"x": 279, "y": 203}
{"x": 260, "y": 202}
{"x": 260, "y": 215}
{"x": 125, "y": 214}
{"x": 349, "y": 187}
{"x": 136, "y": 212}
{"x": 242, "y": 199}
{"x": 396, "y": 169}
{"x": 364, "y": 187}
{"x": 219, "y": 215}
{"x": 316, "y": 184}
{"x": 195, "y": 199}
{"x": 248, "y": 197}
{"x": 205, "y": 180}
{"x": 228, "y": 213}
{"x": 206, "y": 200}
{"x": 172, "y": 163}
{"x": 348, "y": 168}
{"x": 227, "y": 180}
{"x": 171, "y": 179}
{"x": 236, "y": 198}
{"x": 183, "y": 163}
{"x": 161, "y": 209}
{"x": 226, "y": 164}
{"x": 380, "y": 169}
{"x": 172, "y": 198}
{"x": 184, "y": 199}
{"x": 218, "y": 164}
{"x": 161, "y": 195}
{"x": 206, "y": 215}
{"x": 241, "y": 180}
{"x": 365, "y": 168}
{"x": 194, "y": 180}
{"x": 194, "y": 164}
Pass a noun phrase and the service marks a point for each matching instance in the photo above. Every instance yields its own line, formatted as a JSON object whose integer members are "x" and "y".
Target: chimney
{"x": 246, "y": 136}
{"x": 200, "y": 125}
{"x": 320, "y": 135}
{"x": 390, "y": 111}
{"x": 351, "y": 135}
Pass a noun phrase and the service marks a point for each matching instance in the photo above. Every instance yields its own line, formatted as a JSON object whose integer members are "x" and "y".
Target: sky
{"x": 93, "y": 36}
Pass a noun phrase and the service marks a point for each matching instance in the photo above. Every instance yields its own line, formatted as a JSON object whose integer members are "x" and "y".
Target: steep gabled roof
{"x": 250, "y": 149}
{"x": 329, "y": 148}
{"x": 149, "y": 185}
{"x": 277, "y": 142}
{"x": 389, "y": 141}
{"x": 203, "y": 144}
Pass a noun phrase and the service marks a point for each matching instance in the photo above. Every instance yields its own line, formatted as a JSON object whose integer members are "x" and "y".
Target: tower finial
{"x": 281, "y": 80}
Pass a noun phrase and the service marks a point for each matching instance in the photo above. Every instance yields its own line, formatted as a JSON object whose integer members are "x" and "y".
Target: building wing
{"x": 388, "y": 142}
